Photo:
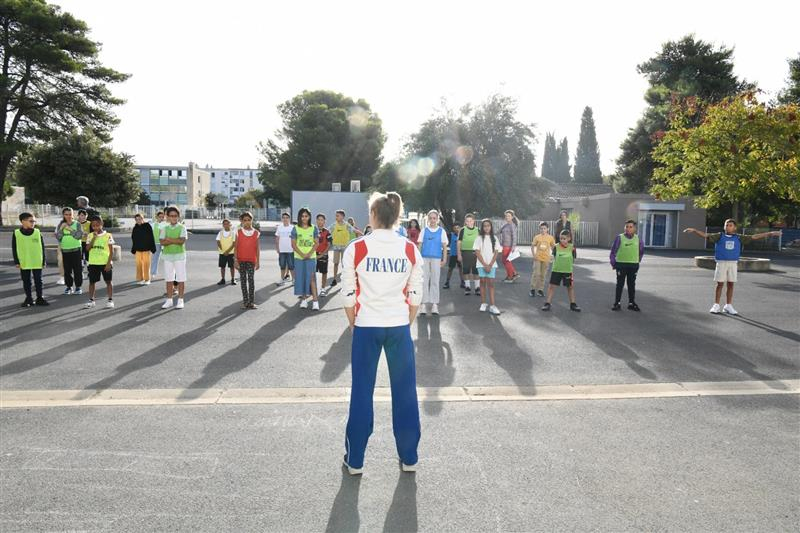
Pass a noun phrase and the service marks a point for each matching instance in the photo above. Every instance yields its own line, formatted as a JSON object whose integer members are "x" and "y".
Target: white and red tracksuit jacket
{"x": 381, "y": 277}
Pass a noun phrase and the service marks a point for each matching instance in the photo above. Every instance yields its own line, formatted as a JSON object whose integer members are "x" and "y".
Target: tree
{"x": 326, "y": 137}
{"x": 144, "y": 198}
{"x": 214, "y": 199}
{"x": 52, "y": 81}
{"x": 562, "y": 167}
{"x": 476, "y": 159}
{"x": 741, "y": 152}
{"x": 74, "y": 165}
{"x": 689, "y": 67}
{"x": 251, "y": 198}
{"x": 587, "y": 157}
{"x": 549, "y": 157}
{"x": 791, "y": 94}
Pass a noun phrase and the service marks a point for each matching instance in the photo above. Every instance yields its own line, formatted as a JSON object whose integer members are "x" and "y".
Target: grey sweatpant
{"x": 431, "y": 273}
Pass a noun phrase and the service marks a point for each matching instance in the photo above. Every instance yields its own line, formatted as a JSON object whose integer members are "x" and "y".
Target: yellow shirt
{"x": 543, "y": 247}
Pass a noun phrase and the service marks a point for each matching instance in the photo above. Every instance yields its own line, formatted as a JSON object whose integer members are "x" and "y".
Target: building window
{"x": 212, "y": 175}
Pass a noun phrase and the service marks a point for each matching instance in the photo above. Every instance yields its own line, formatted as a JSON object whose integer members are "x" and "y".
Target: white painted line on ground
{"x": 21, "y": 399}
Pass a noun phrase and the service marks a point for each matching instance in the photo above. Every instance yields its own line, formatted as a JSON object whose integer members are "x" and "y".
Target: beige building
{"x": 198, "y": 185}
{"x": 660, "y": 223}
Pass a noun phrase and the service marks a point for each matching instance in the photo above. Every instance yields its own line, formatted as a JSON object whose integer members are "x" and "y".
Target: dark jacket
{"x": 142, "y": 239}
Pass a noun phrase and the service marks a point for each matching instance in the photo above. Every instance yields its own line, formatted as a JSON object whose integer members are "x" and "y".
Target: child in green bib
{"x": 27, "y": 247}
{"x": 562, "y": 271}
{"x": 101, "y": 250}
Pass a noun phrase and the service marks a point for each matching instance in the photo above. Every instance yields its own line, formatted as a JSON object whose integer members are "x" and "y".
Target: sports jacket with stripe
{"x": 381, "y": 277}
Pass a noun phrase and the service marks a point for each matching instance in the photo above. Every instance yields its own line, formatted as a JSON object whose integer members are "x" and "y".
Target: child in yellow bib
{"x": 101, "y": 250}
{"x": 27, "y": 247}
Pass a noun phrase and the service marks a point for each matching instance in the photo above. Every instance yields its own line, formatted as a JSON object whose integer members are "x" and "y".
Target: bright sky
{"x": 207, "y": 75}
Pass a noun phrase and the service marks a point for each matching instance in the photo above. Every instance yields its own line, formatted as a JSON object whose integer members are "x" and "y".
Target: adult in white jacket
{"x": 382, "y": 286}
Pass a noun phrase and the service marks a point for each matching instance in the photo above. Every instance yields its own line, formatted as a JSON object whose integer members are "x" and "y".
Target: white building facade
{"x": 233, "y": 182}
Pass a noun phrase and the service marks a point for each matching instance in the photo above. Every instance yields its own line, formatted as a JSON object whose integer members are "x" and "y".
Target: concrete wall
{"x": 353, "y": 203}
{"x": 612, "y": 210}
{"x": 198, "y": 184}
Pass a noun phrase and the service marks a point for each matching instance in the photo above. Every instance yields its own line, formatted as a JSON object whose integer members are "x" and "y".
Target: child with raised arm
{"x": 727, "y": 251}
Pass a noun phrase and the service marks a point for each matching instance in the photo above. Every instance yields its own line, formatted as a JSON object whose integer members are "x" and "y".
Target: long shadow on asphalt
{"x": 97, "y": 337}
{"x": 344, "y": 515}
{"x": 248, "y": 352}
{"x": 158, "y": 354}
{"x": 337, "y": 359}
{"x": 434, "y": 361}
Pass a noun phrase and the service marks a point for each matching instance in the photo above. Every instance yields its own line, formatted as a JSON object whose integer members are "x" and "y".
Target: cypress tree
{"x": 587, "y": 157}
{"x": 548, "y": 161}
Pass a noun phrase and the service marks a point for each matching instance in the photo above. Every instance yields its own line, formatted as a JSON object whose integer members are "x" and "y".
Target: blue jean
{"x": 366, "y": 352}
{"x": 154, "y": 261}
{"x": 304, "y": 271}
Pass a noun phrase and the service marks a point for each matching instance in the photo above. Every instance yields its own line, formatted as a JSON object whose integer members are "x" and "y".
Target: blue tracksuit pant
{"x": 399, "y": 348}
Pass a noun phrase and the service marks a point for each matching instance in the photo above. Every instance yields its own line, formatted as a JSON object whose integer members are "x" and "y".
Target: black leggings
{"x": 246, "y": 280}
{"x": 73, "y": 268}
{"x": 37, "y": 281}
{"x": 626, "y": 272}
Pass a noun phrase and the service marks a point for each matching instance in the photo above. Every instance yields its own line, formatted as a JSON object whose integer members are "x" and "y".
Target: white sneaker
{"x": 167, "y": 304}
{"x": 483, "y": 308}
{"x": 323, "y": 293}
{"x": 304, "y": 304}
{"x": 146, "y": 282}
{"x": 315, "y": 306}
{"x": 110, "y": 304}
{"x": 494, "y": 310}
{"x": 140, "y": 282}
{"x": 180, "y": 304}
{"x": 729, "y": 309}
{"x": 353, "y": 471}
{"x": 60, "y": 281}
{"x": 90, "y": 304}
{"x": 434, "y": 309}
{"x": 715, "y": 309}
{"x": 408, "y": 468}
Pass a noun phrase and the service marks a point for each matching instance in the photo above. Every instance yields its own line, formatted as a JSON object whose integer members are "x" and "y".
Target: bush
{"x": 110, "y": 222}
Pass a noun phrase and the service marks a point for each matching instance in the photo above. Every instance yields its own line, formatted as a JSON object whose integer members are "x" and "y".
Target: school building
{"x": 660, "y": 223}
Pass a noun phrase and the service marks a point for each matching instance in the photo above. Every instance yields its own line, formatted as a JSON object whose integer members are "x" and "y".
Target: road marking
{"x": 18, "y": 399}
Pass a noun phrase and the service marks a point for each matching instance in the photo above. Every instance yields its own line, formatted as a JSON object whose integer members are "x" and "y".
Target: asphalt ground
{"x": 649, "y": 464}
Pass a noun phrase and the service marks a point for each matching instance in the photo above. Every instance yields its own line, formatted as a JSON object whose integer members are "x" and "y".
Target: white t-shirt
{"x": 483, "y": 244}
{"x": 248, "y": 232}
{"x": 226, "y": 235}
{"x": 284, "y": 236}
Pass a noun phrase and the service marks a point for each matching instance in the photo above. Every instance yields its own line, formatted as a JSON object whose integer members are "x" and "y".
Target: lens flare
{"x": 425, "y": 166}
{"x": 464, "y": 155}
{"x": 358, "y": 117}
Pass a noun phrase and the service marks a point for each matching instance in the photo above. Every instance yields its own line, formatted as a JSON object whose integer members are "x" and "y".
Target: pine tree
{"x": 548, "y": 161}
{"x": 562, "y": 167}
{"x": 587, "y": 157}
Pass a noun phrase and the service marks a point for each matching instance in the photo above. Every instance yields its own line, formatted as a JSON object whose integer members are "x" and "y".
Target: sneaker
{"x": 78, "y": 291}
{"x": 546, "y": 306}
{"x": 252, "y": 306}
{"x": 509, "y": 280}
{"x": 233, "y": 282}
{"x": 531, "y": 293}
{"x": 68, "y": 290}
{"x": 179, "y": 305}
{"x": 478, "y": 291}
{"x": 27, "y": 303}
{"x": 323, "y": 293}
{"x": 467, "y": 292}
{"x": 515, "y": 277}
{"x": 222, "y": 282}
{"x": 446, "y": 285}
{"x": 574, "y": 307}
{"x": 494, "y": 310}
{"x": 422, "y": 309}
{"x": 110, "y": 304}
{"x": 352, "y": 471}
{"x": 146, "y": 282}
{"x": 167, "y": 304}
{"x": 633, "y": 307}
{"x": 715, "y": 309}
{"x": 245, "y": 305}
{"x": 483, "y": 308}
{"x": 729, "y": 309}
{"x": 315, "y": 306}
{"x": 434, "y": 309}
{"x": 90, "y": 304}
{"x": 41, "y": 301}
{"x": 617, "y": 307}
{"x": 408, "y": 468}
{"x": 333, "y": 284}
{"x": 540, "y": 293}
{"x": 60, "y": 281}
{"x": 303, "y": 304}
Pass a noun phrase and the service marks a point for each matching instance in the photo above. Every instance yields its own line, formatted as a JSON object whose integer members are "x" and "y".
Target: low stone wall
{"x": 746, "y": 264}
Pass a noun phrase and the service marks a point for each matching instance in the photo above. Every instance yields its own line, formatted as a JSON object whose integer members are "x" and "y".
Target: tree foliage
{"x": 587, "y": 157}
{"x": 791, "y": 94}
{"x": 740, "y": 152}
{"x": 477, "y": 159}
{"x": 52, "y": 81}
{"x": 251, "y": 198}
{"x": 688, "y": 67}
{"x": 562, "y": 166}
{"x": 549, "y": 157}
{"x": 78, "y": 164}
{"x": 326, "y": 137}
